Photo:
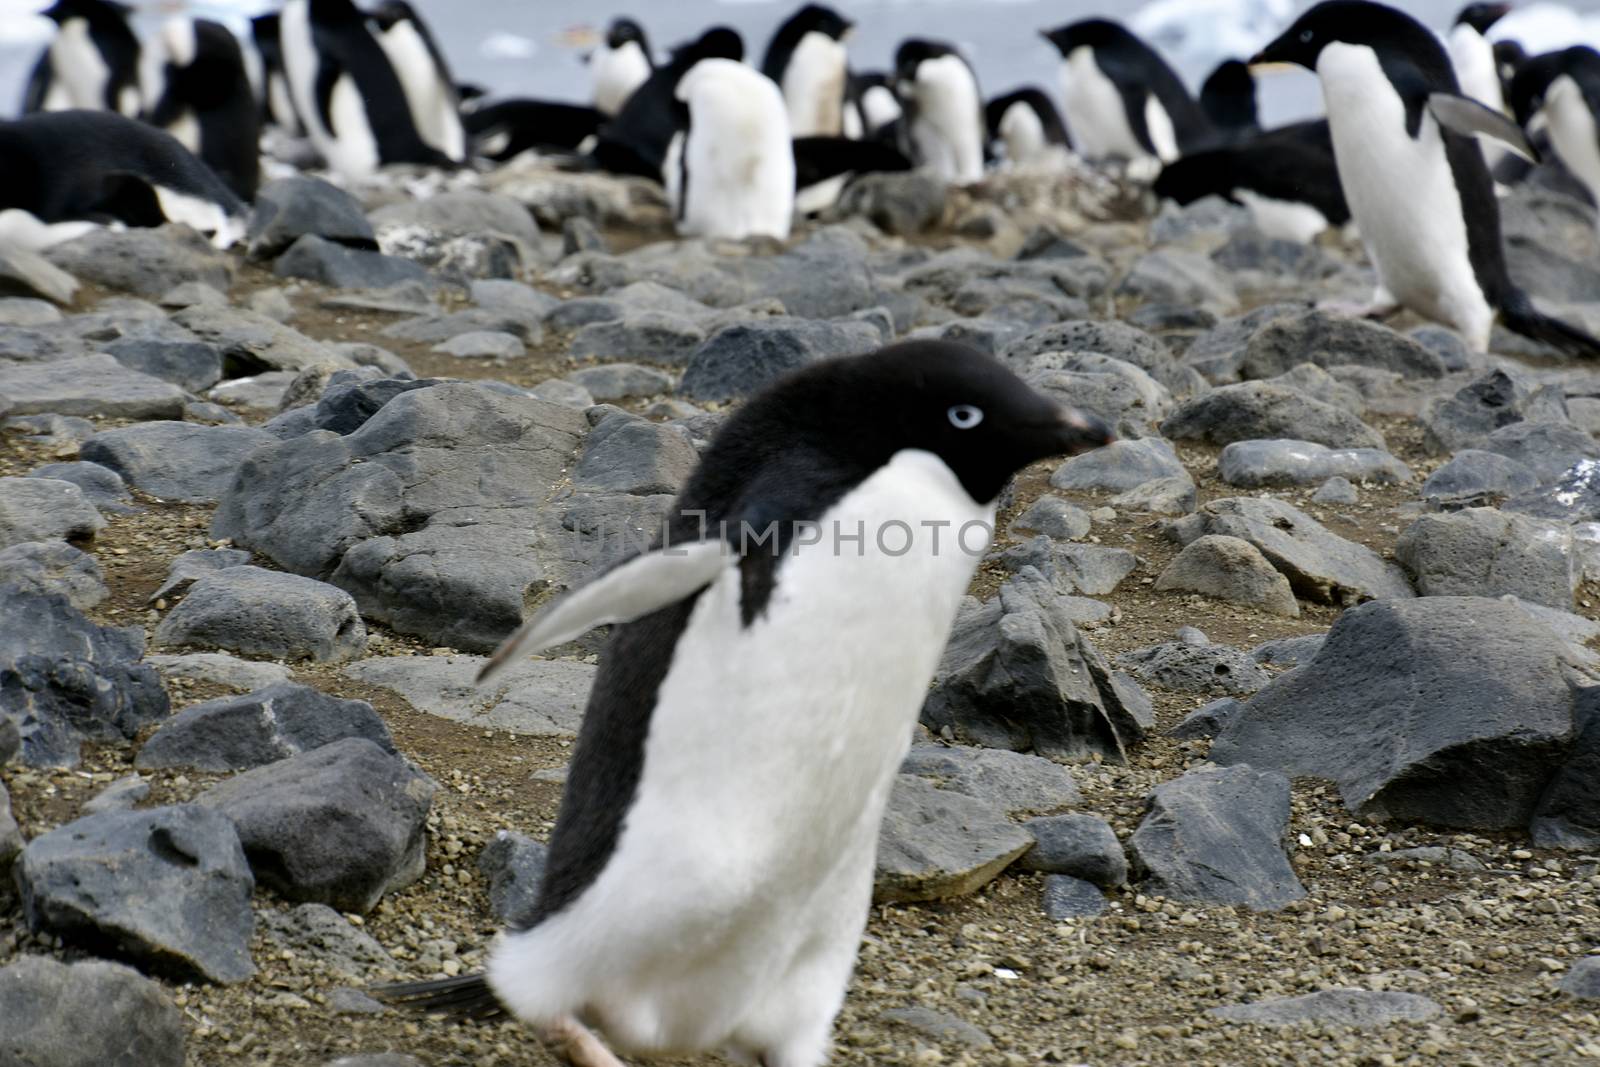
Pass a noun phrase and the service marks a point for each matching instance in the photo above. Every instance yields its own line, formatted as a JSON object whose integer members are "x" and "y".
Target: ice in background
{"x": 535, "y": 47}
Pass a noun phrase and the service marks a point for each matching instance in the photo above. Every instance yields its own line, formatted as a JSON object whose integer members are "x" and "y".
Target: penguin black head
{"x": 1228, "y": 98}
{"x": 92, "y": 11}
{"x": 392, "y": 12}
{"x": 1525, "y": 95}
{"x": 1481, "y": 16}
{"x": 719, "y": 42}
{"x": 963, "y": 406}
{"x": 1508, "y": 57}
{"x": 819, "y": 18}
{"x": 1098, "y": 34}
{"x": 1388, "y": 32}
{"x": 622, "y": 30}
{"x": 913, "y": 52}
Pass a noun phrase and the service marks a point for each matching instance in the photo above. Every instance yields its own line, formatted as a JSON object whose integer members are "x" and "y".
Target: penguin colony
{"x": 699, "y": 895}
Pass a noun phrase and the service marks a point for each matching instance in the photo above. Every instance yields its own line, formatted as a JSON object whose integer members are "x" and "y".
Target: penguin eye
{"x": 965, "y": 416}
{"x": 1306, "y": 36}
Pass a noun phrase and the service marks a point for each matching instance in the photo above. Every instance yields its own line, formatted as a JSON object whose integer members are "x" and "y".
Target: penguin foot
{"x": 577, "y": 1045}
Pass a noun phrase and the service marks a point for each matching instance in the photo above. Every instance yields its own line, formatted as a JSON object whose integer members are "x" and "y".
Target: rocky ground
{"x": 262, "y": 513}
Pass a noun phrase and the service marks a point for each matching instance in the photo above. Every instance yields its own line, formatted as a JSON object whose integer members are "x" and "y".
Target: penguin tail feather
{"x": 467, "y": 997}
{"x": 1519, "y": 316}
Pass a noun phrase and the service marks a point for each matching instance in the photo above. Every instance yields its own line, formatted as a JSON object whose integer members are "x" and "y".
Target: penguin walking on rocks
{"x": 808, "y": 61}
{"x": 1560, "y": 93}
{"x": 1029, "y": 127}
{"x": 346, "y": 91}
{"x": 207, "y": 101}
{"x": 710, "y": 872}
{"x": 92, "y": 61}
{"x": 1122, "y": 100}
{"x": 424, "y": 75}
{"x": 944, "y": 122}
{"x": 1413, "y": 175}
{"x": 730, "y": 171}
{"x": 620, "y": 65}
{"x": 63, "y": 169}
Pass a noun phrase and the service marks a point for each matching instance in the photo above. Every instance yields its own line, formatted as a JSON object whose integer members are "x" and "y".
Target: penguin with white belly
{"x": 424, "y": 75}
{"x": 1413, "y": 175}
{"x": 808, "y": 61}
{"x": 92, "y": 61}
{"x": 730, "y": 170}
{"x": 207, "y": 101}
{"x": 1476, "y": 70}
{"x": 346, "y": 90}
{"x": 873, "y": 106}
{"x": 1026, "y": 123}
{"x": 710, "y": 872}
{"x": 620, "y": 65}
{"x": 944, "y": 126}
{"x": 1560, "y": 92}
{"x": 1122, "y": 100}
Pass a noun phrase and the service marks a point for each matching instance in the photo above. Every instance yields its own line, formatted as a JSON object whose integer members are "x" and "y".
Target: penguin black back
{"x": 1482, "y": 16}
{"x": 1228, "y": 99}
{"x": 1294, "y": 164}
{"x": 507, "y": 128}
{"x": 635, "y": 142}
{"x": 391, "y": 12}
{"x": 211, "y": 84}
{"x": 1136, "y": 69}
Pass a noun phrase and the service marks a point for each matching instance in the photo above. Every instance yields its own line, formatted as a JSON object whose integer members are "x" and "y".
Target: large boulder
{"x": 1487, "y": 552}
{"x": 146, "y": 262}
{"x": 94, "y": 384}
{"x": 1253, "y": 464}
{"x": 54, "y": 567}
{"x": 86, "y": 1014}
{"x": 1452, "y": 711}
{"x": 1332, "y": 340}
{"x": 1484, "y": 405}
{"x": 262, "y": 612}
{"x": 45, "y": 509}
{"x": 237, "y": 733}
{"x": 935, "y": 844}
{"x": 175, "y": 460}
{"x": 1568, "y": 815}
{"x": 742, "y": 357}
{"x": 1232, "y": 569}
{"x": 1253, "y": 410}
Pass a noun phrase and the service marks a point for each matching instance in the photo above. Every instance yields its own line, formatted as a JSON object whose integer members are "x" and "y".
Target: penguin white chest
{"x": 813, "y": 86}
{"x": 1473, "y": 59}
{"x": 78, "y": 67}
{"x": 1096, "y": 112}
{"x": 617, "y": 73}
{"x": 730, "y": 911}
{"x": 1402, "y": 193}
{"x": 879, "y": 107}
{"x": 1023, "y": 134}
{"x": 431, "y": 101}
{"x": 1572, "y": 131}
{"x": 737, "y": 160}
{"x": 948, "y": 130}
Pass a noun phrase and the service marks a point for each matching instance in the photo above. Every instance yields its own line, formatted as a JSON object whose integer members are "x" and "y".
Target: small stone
{"x": 483, "y": 344}
{"x": 1066, "y": 897}
{"x": 935, "y": 844}
{"x": 1083, "y": 846}
{"x": 514, "y": 865}
{"x": 1356, "y": 1008}
{"x": 1335, "y": 491}
{"x": 938, "y": 1026}
{"x": 1232, "y": 569}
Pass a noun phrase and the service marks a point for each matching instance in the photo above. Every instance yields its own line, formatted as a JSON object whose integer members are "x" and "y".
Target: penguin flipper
{"x": 633, "y": 589}
{"x": 1470, "y": 118}
{"x": 466, "y": 997}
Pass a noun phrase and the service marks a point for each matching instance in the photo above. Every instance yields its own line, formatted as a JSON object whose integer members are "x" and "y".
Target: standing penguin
{"x": 1027, "y": 124}
{"x": 346, "y": 91}
{"x": 92, "y": 62}
{"x": 1560, "y": 91}
{"x": 944, "y": 126}
{"x": 706, "y": 889}
{"x": 730, "y": 171}
{"x": 207, "y": 102}
{"x": 1122, "y": 101}
{"x": 873, "y": 105}
{"x": 1476, "y": 70}
{"x": 1415, "y": 180}
{"x": 277, "y": 105}
{"x": 1228, "y": 98}
{"x": 620, "y": 65}
{"x": 808, "y": 61}
{"x": 424, "y": 75}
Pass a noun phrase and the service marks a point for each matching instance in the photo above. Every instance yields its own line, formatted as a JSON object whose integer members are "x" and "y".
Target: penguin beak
{"x": 1079, "y": 431}
{"x": 1261, "y": 65}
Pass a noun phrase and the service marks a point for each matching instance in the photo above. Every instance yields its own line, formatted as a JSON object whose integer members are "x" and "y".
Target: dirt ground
{"x": 1130, "y": 987}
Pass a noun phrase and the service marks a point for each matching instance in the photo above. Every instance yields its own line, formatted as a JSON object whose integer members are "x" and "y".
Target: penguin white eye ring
{"x": 965, "y": 416}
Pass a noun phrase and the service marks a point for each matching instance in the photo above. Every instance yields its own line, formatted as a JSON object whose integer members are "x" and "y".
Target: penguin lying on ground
{"x": 1411, "y": 170}
{"x": 1560, "y": 91}
{"x": 943, "y": 121}
{"x": 806, "y": 58}
{"x": 424, "y": 76}
{"x": 92, "y": 61}
{"x": 620, "y": 65}
{"x": 207, "y": 102}
{"x": 1122, "y": 100}
{"x": 507, "y": 128}
{"x": 1028, "y": 125}
{"x": 68, "y": 167}
{"x": 710, "y": 872}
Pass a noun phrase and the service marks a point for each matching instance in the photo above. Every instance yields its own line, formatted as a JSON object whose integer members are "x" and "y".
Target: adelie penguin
{"x": 277, "y": 106}
{"x": 346, "y": 91}
{"x": 1228, "y": 100}
{"x": 67, "y": 168}
{"x": 1415, "y": 180}
{"x": 91, "y": 62}
{"x": 1028, "y": 126}
{"x": 1560, "y": 91}
{"x": 207, "y": 102}
{"x": 1122, "y": 100}
{"x": 1473, "y": 58}
{"x": 424, "y": 75}
{"x": 808, "y": 61}
{"x": 620, "y": 65}
{"x": 943, "y": 121}
{"x": 730, "y": 170}
{"x": 710, "y": 871}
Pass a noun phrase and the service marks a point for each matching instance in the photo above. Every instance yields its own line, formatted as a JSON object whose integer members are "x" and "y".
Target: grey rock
{"x": 290, "y": 208}
{"x": 195, "y": 564}
{"x": 1549, "y": 449}
{"x": 1108, "y": 338}
{"x": 1474, "y": 475}
{"x": 1216, "y": 835}
{"x": 66, "y": 680}
{"x": 1314, "y": 381}
{"x": 1486, "y": 552}
{"x": 537, "y": 698}
{"x": 1120, "y": 466}
{"x": 514, "y": 866}
{"x": 1360, "y": 1009}
{"x": 1232, "y": 569}
{"x": 10, "y": 741}
{"x": 1335, "y": 492}
{"x": 432, "y": 329}
{"x": 86, "y": 1014}
{"x": 741, "y": 358}
{"x": 581, "y": 235}
{"x": 1205, "y": 670}
{"x": 1073, "y": 568}
{"x": 1066, "y": 897}
{"x": 88, "y": 385}
{"x": 1444, "y": 710}
{"x": 1568, "y": 812}
{"x": 175, "y": 460}
{"x": 483, "y": 344}
{"x": 11, "y": 842}
{"x": 1207, "y": 720}
{"x": 143, "y": 261}
{"x": 260, "y": 392}
{"x": 1289, "y": 651}
{"x": 102, "y": 486}
{"x": 1218, "y": 354}
{"x": 342, "y": 825}
{"x": 621, "y": 381}
{"x": 317, "y": 932}
{"x": 219, "y": 668}
{"x": 627, "y": 454}
{"x": 1331, "y": 340}
{"x": 59, "y": 434}
{"x": 1253, "y": 464}
{"x": 328, "y": 263}
{"x": 1582, "y": 981}
{"x": 1170, "y": 276}
{"x": 53, "y": 567}
{"x": 345, "y": 406}
{"x": 377, "y": 1059}
{"x": 1083, "y": 846}
{"x": 1497, "y": 399}
{"x": 560, "y": 391}
{"x": 193, "y": 365}
{"x": 187, "y": 294}
{"x": 1320, "y": 565}
{"x": 1429, "y": 855}
{"x": 121, "y": 795}
{"x": 935, "y": 844}
{"x": 168, "y": 887}
{"x": 901, "y": 204}
{"x": 237, "y": 733}
{"x": 1263, "y": 410}
{"x": 251, "y": 342}
{"x": 464, "y": 213}
{"x": 659, "y": 336}
{"x": 938, "y": 1026}
{"x": 986, "y": 335}
{"x": 261, "y": 612}
{"x": 347, "y": 1001}
{"x": 513, "y": 295}
{"x": 1573, "y": 497}
{"x": 1018, "y": 675}
{"x": 1053, "y": 517}
{"x": 29, "y": 274}
{"x": 1011, "y": 781}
